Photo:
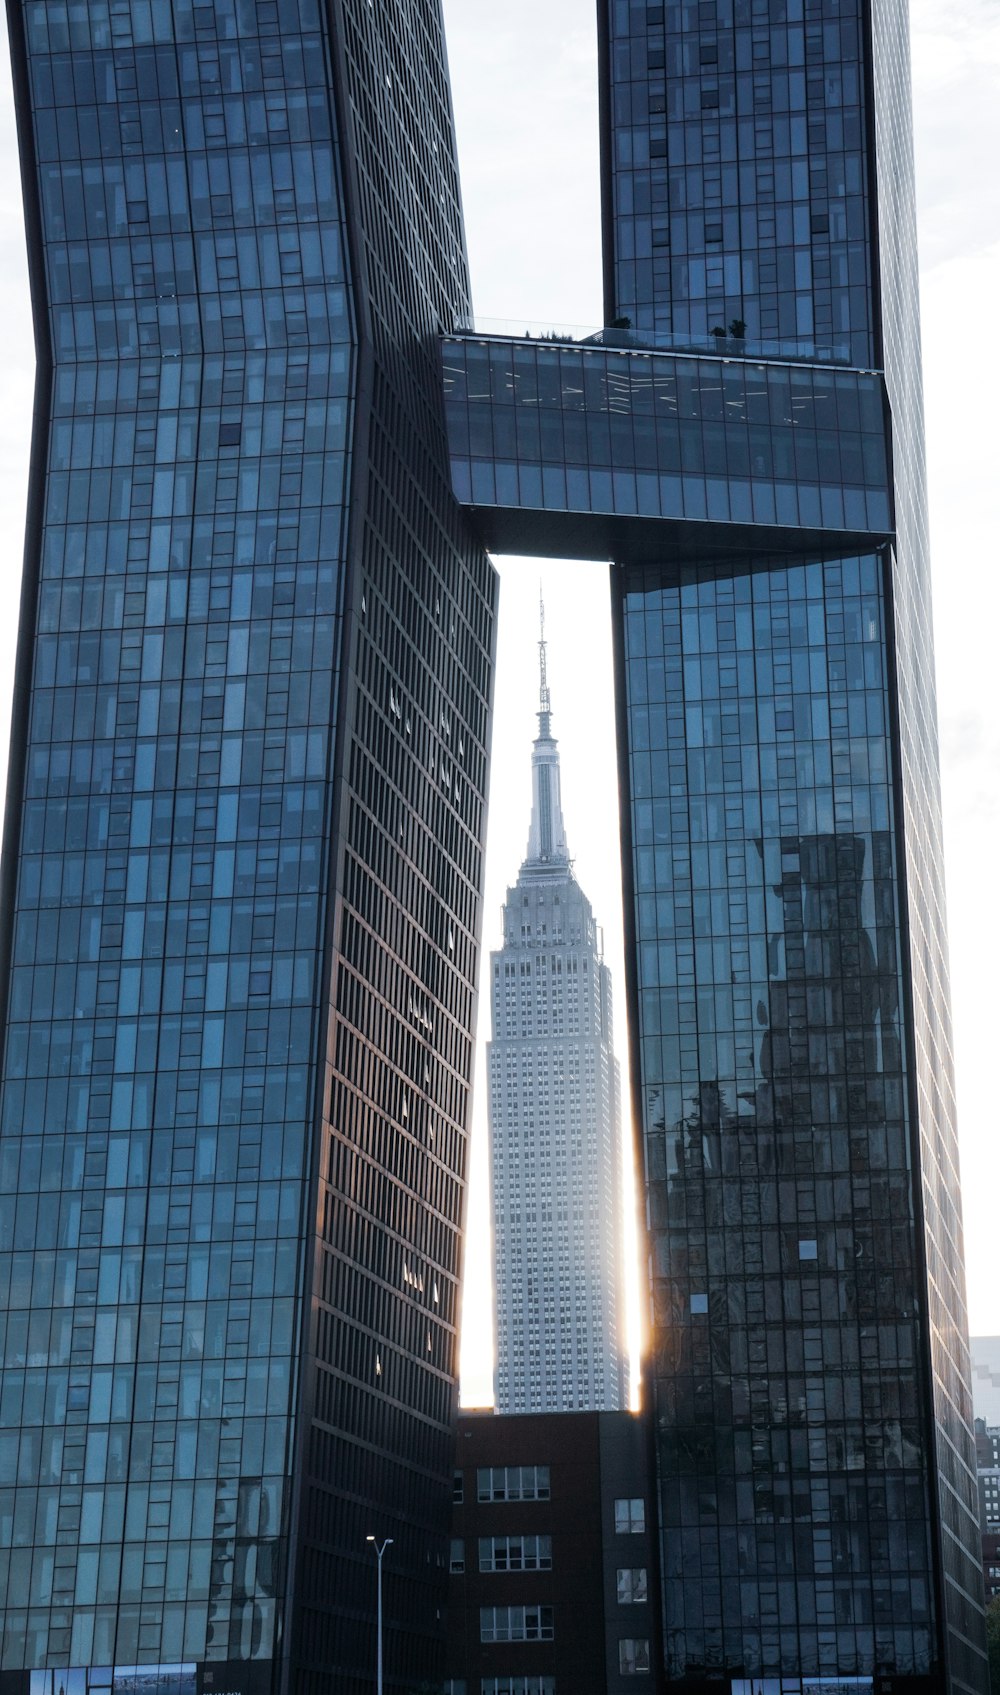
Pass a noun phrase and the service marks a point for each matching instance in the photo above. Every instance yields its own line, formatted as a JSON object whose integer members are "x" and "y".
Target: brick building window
{"x": 633, "y": 1655}
{"x": 630, "y": 1516}
{"x": 515, "y": 1624}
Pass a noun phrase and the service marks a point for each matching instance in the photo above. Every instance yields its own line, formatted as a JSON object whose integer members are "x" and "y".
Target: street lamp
{"x": 380, "y": 1549}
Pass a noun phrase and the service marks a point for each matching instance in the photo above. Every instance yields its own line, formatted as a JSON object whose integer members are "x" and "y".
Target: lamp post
{"x": 380, "y": 1549}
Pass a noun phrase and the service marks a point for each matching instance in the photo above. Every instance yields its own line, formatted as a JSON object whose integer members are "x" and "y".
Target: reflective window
{"x": 631, "y": 1585}
{"x": 633, "y": 1654}
{"x": 630, "y": 1516}
{"x": 515, "y": 1553}
{"x": 511, "y": 1684}
{"x": 515, "y": 1624}
{"x": 513, "y": 1483}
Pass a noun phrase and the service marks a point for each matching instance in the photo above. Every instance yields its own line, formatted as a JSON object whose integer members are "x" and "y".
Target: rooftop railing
{"x": 627, "y": 340}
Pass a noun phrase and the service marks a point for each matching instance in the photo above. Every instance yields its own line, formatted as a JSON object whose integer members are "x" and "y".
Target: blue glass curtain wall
{"x": 758, "y": 163}
{"x": 739, "y": 170}
{"x": 172, "y": 837}
{"x": 786, "y": 1268}
{"x": 583, "y": 430}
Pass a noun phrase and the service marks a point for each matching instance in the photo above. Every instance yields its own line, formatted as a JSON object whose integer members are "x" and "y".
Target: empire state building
{"x": 555, "y": 1129}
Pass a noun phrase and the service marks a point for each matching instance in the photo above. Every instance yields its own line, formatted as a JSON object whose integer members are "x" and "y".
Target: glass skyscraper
{"x": 787, "y": 896}
{"x": 242, "y": 858}
{"x": 745, "y": 440}
{"x": 243, "y": 844}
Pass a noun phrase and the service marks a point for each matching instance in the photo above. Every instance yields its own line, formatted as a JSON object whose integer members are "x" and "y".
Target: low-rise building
{"x": 988, "y": 1479}
{"x": 551, "y": 1556}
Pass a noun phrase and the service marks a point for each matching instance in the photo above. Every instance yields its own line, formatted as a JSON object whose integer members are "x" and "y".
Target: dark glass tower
{"x": 746, "y": 441}
{"x": 810, "y": 1366}
{"x": 242, "y": 855}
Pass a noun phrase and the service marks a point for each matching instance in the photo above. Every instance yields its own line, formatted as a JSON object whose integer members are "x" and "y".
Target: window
{"x": 454, "y": 1686}
{"x": 515, "y": 1624}
{"x": 633, "y": 1655}
{"x": 513, "y": 1483}
{"x": 512, "y": 1684}
{"x": 457, "y": 1488}
{"x": 631, "y": 1585}
{"x": 630, "y": 1517}
{"x": 515, "y": 1553}
{"x": 457, "y": 1560}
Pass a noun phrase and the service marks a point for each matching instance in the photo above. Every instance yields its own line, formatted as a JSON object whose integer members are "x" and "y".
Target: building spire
{"x": 547, "y": 837}
{"x": 544, "y": 701}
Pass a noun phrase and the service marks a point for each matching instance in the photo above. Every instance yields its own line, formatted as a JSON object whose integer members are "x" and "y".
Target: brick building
{"x": 551, "y": 1556}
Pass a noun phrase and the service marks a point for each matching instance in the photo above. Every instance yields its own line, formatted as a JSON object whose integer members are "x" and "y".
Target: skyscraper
{"x": 555, "y": 1128}
{"x": 745, "y": 440}
{"x": 243, "y": 844}
{"x": 242, "y": 853}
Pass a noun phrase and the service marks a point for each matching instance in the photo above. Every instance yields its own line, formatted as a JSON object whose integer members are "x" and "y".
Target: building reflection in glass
{"x": 793, "y": 1480}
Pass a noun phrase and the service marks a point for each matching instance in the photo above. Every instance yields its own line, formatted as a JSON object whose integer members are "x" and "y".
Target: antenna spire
{"x": 544, "y": 700}
{"x": 547, "y": 838}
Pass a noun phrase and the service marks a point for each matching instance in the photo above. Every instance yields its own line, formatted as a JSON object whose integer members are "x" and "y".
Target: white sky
{"x": 525, "y": 86}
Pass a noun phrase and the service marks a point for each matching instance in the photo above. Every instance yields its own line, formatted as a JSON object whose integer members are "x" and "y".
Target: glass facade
{"x": 809, "y": 1369}
{"x": 173, "y": 837}
{"x": 913, "y": 655}
{"x": 662, "y": 436}
{"x": 239, "y": 931}
{"x": 242, "y": 859}
{"x": 787, "y": 1363}
{"x": 813, "y": 1428}
{"x": 739, "y": 168}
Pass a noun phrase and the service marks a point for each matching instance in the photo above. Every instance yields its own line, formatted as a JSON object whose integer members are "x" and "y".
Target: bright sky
{"x": 525, "y": 83}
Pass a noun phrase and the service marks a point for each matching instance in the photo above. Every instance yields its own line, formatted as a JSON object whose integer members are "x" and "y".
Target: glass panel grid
{"x": 773, "y": 1072}
{"x": 652, "y": 435}
{"x": 160, "y": 1060}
